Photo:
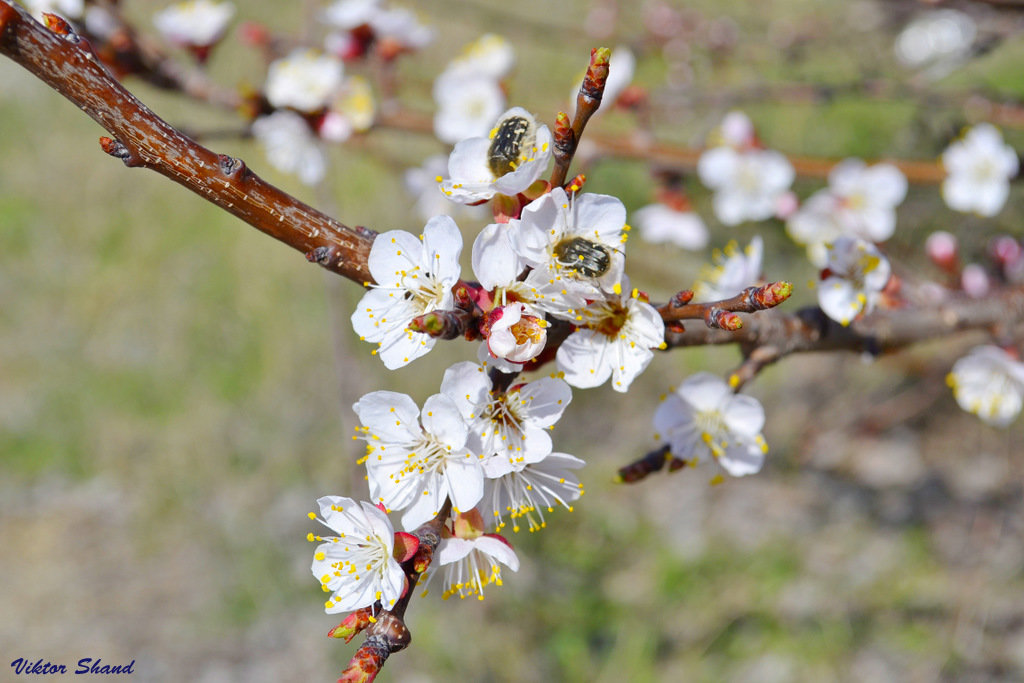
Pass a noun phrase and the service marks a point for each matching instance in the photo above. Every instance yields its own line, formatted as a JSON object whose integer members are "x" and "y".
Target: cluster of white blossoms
{"x": 748, "y": 180}
{"x": 853, "y": 279}
{"x": 195, "y": 24}
{"x": 980, "y": 166}
{"x": 313, "y": 97}
{"x": 552, "y": 258}
{"x": 468, "y": 92}
{"x": 989, "y": 382}
{"x": 313, "y": 101}
{"x": 860, "y": 201}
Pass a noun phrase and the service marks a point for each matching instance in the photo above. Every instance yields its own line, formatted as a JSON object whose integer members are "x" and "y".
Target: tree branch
{"x": 141, "y": 138}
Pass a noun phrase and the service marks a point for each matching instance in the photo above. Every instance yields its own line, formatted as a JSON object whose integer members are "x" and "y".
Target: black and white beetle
{"x": 513, "y": 138}
{"x": 590, "y": 258}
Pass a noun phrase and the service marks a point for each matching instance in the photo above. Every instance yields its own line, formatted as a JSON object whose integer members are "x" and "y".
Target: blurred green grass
{"x": 175, "y": 392}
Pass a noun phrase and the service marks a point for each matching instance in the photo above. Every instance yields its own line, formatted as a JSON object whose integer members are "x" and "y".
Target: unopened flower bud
{"x": 718, "y": 318}
{"x": 1005, "y": 250}
{"x": 352, "y": 624}
{"x": 975, "y": 281}
{"x": 942, "y": 249}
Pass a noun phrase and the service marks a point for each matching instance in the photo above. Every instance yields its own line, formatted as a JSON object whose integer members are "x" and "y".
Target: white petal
{"x": 467, "y": 384}
{"x": 744, "y": 415}
{"x": 545, "y": 400}
{"x": 392, "y": 416}
{"x": 442, "y": 419}
{"x": 495, "y": 264}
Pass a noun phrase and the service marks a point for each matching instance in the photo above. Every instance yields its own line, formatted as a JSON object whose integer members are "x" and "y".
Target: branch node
{"x": 233, "y": 168}
{"x": 364, "y": 231}
{"x": 324, "y": 255}
{"x": 119, "y": 150}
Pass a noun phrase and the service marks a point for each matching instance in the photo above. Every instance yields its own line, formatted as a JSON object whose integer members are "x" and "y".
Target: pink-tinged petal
{"x": 499, "y": 549}
{"x": 465, "y": 482}
{"x": 545, "y": 400}
{"x": 583, "y": 357}
{"x": 391, "y": 416}
{"x": 467, "y": 384}
{"x": 717, "y": 167}
{"x": 744, "y": 415}
{"x": 704, "y": 391}
{"x": 599, "y": 217}
{"x": 442, "y": 419}
{"x": 451, "y": 550}
{"x": 393, "y": 253}
{"x": 442, "y": 246}
{"x": 405, "y": 547}
{"x": 741, "y": 458}
{"x": 495, "y": 264}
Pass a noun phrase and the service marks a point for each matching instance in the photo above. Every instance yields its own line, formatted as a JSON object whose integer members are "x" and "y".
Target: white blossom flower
{"x": 416, "y": 460}
{"x": 736, "y": 130}
{"x": 401, "y": 26}
{"x": 683, "y": 227}
{"x": 471, "y": 564}
{"x": 940, "y": 40}
{"x": 489, "y": 55}
{"x": 980, "y": 166}
{"x": 733, "y": 271}
{"x": 859, "y": 202}
{"x": 421, "y": 183}
{"x": 703, "y": 418}
{"x": 291, "y": 146}
{"x": 516, "y": 332}
{"x": 350, "y": 14}
{"x": 357, "y": 565}
{"x": 528, "y": 492}
{"x": 305, "y": 80}
{"x": 989, "y": 382}
{"x": 615, "y": 339}
{"x": 470, "y": 558}
{"x": 578, "y": 240}
{"x": 414, "y": 276}
{"x": 510, "y": 428}
{"x": 467, "y": 105}
{"x": 194, "y": 22}
{"x": 507, "y": 162}
{"x": 747, "y": 184}
{"x": 853, "y": 279}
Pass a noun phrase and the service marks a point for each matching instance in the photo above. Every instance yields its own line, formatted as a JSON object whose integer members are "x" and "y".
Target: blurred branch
{"x": 884, "y": 330}
{"x": 141, "y": 138}
{"x": 683, "y": 158}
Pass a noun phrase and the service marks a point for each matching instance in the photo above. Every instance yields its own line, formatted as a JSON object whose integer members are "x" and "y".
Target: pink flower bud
{"x": 975, "y": 281}
{"x": 1005, "y": 250}
{"x": 942, "y": 249}
{"x": 786, "y": 205}
{"x": 514, "y": 334}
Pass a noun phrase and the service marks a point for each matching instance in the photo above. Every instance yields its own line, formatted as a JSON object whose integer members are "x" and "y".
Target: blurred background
{"x": 175, "y": 388}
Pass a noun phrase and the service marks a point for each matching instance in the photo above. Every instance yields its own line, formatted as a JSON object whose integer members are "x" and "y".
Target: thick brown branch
{"x": 141, "y": 138}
